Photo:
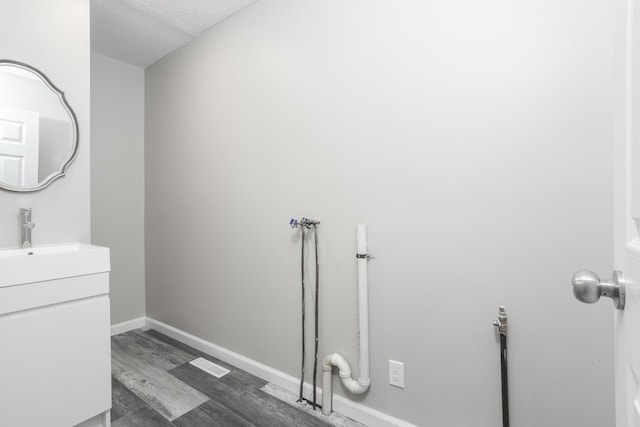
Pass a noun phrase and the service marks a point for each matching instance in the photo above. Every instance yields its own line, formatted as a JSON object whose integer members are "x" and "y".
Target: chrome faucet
{"x": 25, "y": 227}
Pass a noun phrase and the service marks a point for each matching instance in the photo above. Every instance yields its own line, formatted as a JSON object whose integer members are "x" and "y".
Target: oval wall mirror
{"x": 38, "y": 129}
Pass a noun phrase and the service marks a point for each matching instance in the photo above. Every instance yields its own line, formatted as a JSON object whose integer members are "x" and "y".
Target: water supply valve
{"x": 501, "y": 323}
{"x": 304, "y": 222}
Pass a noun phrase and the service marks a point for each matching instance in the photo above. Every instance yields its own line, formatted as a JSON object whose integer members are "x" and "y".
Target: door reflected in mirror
{"x": 38, "y": 129}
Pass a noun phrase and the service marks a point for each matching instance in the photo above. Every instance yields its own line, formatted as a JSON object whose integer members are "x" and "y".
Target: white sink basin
{"x": 50, "y": 262}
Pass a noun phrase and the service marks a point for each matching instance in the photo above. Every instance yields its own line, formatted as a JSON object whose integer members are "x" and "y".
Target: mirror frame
{"x": 74, "y": 125}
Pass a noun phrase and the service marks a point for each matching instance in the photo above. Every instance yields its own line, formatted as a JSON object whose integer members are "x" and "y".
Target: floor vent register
{"x": 210, "y": 367}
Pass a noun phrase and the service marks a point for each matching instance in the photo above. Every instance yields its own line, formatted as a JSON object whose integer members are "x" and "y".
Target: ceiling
{"x": 140, "y": 32}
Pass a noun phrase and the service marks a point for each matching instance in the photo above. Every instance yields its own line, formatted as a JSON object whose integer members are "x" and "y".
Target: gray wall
{"x": 117, "y": 179}
{"x": 474, "y": 139}
{"x": 53, "y": 37}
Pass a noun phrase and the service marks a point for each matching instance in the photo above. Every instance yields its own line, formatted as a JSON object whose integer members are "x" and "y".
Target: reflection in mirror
{"x": 38, "y": 129}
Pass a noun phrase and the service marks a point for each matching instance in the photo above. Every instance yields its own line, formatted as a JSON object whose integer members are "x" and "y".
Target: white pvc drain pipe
{"x": 360, "y": 385}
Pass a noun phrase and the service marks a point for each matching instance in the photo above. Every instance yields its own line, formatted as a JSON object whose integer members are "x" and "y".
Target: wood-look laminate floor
{"x": 154, "y": 385}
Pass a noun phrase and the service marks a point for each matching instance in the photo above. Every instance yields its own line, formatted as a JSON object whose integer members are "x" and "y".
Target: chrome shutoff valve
{"x": 501, "y": 323}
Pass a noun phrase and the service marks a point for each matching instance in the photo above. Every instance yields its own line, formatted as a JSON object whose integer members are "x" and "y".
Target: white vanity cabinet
{"x": 55, "y": 358}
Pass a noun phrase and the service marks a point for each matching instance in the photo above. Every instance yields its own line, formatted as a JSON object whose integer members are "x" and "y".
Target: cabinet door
{"x": 55, "y": 367}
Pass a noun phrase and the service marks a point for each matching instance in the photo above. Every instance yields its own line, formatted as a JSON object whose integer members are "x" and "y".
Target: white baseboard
{"x": 129, "y": 325}
{"x": 354, "y": 410}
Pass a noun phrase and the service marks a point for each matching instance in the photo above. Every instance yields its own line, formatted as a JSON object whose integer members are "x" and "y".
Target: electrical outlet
{"x": 396, "y": 373}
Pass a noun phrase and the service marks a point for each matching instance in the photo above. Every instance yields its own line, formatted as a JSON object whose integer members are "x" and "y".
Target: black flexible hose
{"x": 315, "y": 359}
{"x": 505, "y": 384}
{"x": 302, "y": 281}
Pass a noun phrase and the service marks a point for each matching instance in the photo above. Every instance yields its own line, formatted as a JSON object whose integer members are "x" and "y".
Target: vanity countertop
{"x": 39, "y": 263}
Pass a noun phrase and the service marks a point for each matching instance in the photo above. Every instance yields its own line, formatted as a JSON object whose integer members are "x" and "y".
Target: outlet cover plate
{"x": 396, "y": 373}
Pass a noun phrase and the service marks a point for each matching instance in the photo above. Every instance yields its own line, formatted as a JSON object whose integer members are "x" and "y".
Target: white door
{"x": 624, "y": 286}
{"x": 627, "y": 211}
{"x": 19, "y": 147}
